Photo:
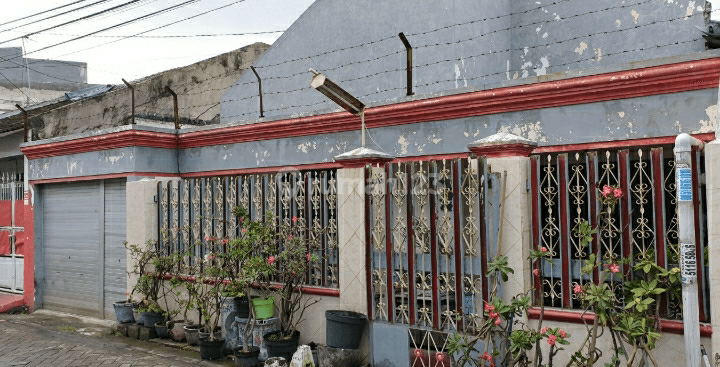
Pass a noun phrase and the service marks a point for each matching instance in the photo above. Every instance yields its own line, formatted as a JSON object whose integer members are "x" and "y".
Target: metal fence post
{"x": 686, "y": 234}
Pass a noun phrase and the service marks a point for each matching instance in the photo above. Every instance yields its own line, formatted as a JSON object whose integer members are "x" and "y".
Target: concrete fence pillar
{"x": 141, "y": 219}
{"x": 712, "y": 180}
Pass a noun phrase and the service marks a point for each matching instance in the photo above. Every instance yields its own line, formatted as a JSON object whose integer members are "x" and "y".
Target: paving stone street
{"x": 52, "y": 339}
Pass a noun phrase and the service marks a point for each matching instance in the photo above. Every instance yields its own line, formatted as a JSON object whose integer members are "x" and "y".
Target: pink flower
{"x": 225, "y": 241}
{"x": 271, "y": 260}
{"x": 543, "y": 330}
{"x": 294, "y": 219}
{"x": 290, "y": 237}
{"x": 207, "y": 238}
{"x": 578, "y": 289}
{"x": 242, "y": 219}
{"x": 307, "y": 256}
{"x": 493, "y": 315}
{"x": 498, "y": 321}
{"x": 551, "y": 339}
{"x": 536, "y": 272}
{"x": 614, "y": 268}
{"x": 562, "y": 334}
{"x": 489, "y": 307}
{"x": 606, "y": 191}
{"x": 486, "y": 356}
{"x": 243, "y": 231}
{"x": 617, "y": 193}
{"x": 543, "y": 249}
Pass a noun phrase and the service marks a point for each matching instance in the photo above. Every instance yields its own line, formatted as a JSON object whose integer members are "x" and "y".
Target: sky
{"x": 174, "y": 46}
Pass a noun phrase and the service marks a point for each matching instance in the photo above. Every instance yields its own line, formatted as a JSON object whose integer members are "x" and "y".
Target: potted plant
{"x": 293, "y": 255}
{"x": 124, "y": 309}
{"x": 250, "y": 268}
{"x": 150, "y": 265}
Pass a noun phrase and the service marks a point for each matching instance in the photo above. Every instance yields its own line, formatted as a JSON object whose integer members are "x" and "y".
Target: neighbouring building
{"x": 491, "y": 125}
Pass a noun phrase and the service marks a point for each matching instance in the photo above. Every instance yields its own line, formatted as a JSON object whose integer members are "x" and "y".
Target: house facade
{"x": 498, "y": 122}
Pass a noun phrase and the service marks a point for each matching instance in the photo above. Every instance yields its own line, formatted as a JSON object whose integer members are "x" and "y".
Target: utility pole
{"x": 684, "y": 172}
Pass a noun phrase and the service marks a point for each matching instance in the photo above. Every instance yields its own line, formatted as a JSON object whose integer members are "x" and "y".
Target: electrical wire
{"x": 56, "y": 15}
{"x": 18, "y": 88}
{"x": 42, "y": 12}
{"x": 73, "y": 21}
{"x": 176, "y": 35}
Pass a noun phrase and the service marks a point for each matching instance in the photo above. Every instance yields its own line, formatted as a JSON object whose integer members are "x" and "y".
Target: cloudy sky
{"x": 110, "y": 57}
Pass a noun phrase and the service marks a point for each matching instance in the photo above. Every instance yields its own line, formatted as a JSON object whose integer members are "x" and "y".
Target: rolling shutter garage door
{"x": 83, "y": 228}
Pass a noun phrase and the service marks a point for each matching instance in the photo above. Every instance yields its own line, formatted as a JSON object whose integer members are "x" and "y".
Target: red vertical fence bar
{"x": 658, "y": 177}
{"x": 457, "y": 205}
{"x": 535, "y": 187}
{"x": 368, "y": 244}
{"x": 562, "y": 163}
{"x": 482, "y": 189}
{"x": 388, "y": 243}
{"x": 658, "y": 180}
{"x": 308, "y": 214}
{"x": 433, "y": 245}
{"x": 625, "y": 225}
{"x": 698, "y": 238}
{"x": 591, "y": 161}
{"x": 323, "y": 218}
{"x": 410, "y": 245}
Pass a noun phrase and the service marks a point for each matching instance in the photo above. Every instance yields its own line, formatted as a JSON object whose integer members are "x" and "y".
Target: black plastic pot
{"x": 162, "y": 329}
{"x": 151, "y": 318}
{"x": 124, "y": 311}
{"x": 242, "y": 307}
{"x": 344, "y": 329}
{"x": 249, "y": 359}
{"x": 204, "y": 333}
{"x": 211, "y": 349}
{"x": 281, "y": 348}
{"x": 192, "y": 334}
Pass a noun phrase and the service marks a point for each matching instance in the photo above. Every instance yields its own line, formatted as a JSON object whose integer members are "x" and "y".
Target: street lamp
{"x": 338, "y": 95}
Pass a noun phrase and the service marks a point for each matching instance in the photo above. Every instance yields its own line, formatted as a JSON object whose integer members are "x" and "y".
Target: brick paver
{"x": 31, "y": 345}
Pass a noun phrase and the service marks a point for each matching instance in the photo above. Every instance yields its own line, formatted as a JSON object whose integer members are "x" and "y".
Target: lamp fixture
{"x": 322, "y": 84}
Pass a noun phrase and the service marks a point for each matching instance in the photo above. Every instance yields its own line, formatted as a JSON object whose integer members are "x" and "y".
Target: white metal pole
{"x": 362, "y": 121}
{"x": 688, "y": 258}
{"x": 12, "y": 232}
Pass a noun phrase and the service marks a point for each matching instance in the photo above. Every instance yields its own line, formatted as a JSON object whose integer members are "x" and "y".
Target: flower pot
{"x": 281, "y": 347}
{"x": 177, "y": 331}
{"x": 124, "y": 311}
{"x": 137, "y": 316}
{"x": 192, "y": 334}
{"x": 230, "y": 309}
{"x": 344, "y": 329}
{"x": 211, "y": 349}
{"x": 329, "y": 356}
{"x": 151, "y": 318}
{"x": 204, "y": 334}
{"x": 263, "y": 308}
{"x": 161, "y": 328}
{"x": 276, "y": 362}
{"x": 249, "y": 359}
{"x": 260, "y": 328}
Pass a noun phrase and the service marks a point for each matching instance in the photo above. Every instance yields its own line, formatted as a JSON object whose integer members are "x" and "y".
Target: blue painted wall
{"x": 459, "y": 44}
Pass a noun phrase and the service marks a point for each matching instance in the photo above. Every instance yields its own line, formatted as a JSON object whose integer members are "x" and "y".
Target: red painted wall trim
{"x": 102, "y": 177}
{"x": 657, "y": 80}
{"x": 503, "y": 150}
{"x": 29, "y": 262}
{"x": 574, "y": 317}
{"x": 615, "y": 144}
{"x": 315, "y": 291}
{"x": 663, "y": 79}
{"x": 129, "y": 138}
{"x": 258, "y": 170}
{"x": 5, "y": 307}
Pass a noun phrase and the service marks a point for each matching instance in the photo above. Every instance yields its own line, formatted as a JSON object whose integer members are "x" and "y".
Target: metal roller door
{"x": 83, "y": 257}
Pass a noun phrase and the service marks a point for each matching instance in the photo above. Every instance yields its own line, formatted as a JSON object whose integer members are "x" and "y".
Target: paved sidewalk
{"x": 46, "y": 338}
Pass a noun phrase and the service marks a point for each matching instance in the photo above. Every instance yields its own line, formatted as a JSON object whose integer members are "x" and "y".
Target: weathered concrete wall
{"x": 199, "y": 88}
{"x": 459, "y": 44}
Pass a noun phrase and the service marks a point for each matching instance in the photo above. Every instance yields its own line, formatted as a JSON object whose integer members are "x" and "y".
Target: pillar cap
{"x": 502, "y": 145}
{"x": 360, "y": 157}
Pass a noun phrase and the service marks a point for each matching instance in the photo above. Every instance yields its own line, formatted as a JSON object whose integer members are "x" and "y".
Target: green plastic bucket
{"x": 263, "y": 308}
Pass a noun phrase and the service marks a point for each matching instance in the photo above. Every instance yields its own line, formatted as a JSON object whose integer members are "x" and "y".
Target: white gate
{"x": 11, "y": 261}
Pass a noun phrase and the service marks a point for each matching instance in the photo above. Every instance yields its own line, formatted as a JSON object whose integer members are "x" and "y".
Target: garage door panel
{"x": 81, "y": 223}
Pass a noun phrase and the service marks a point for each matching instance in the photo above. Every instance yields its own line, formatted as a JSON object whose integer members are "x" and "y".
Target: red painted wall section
{"x": 29, "y": 252}
{"x": 5, "y": 212}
